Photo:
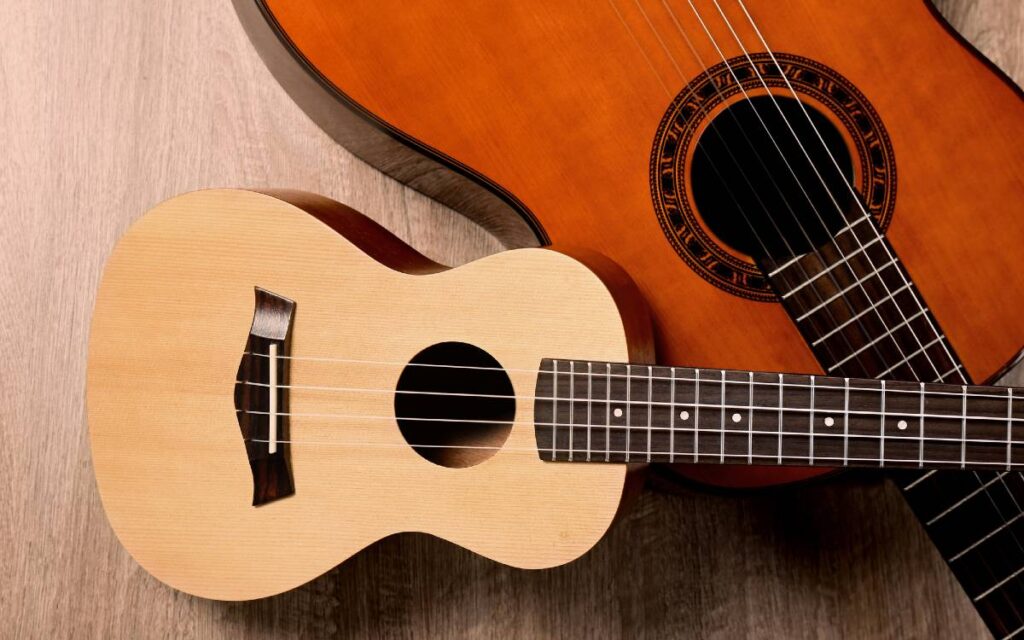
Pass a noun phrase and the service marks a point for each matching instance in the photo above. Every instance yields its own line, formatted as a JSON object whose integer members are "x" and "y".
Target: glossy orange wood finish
{"x": 558, "y": 103}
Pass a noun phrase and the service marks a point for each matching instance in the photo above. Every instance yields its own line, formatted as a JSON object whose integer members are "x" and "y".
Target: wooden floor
{"x": 109, "y": 107}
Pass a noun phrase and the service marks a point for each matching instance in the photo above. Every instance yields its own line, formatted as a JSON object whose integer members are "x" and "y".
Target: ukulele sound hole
{"x": 759, "y": 204}
{"x": 455, "y": 404}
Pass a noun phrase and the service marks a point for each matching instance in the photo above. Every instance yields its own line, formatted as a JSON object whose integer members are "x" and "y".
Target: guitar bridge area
{"x": 261, "y": 398}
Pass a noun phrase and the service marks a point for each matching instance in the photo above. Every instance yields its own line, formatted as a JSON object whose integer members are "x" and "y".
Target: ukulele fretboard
{"x": 598, "y": 411}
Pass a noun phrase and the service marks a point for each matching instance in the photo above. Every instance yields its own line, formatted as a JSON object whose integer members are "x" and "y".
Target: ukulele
{"x": 801, "y": 186}
{"x": 275, "y": 382}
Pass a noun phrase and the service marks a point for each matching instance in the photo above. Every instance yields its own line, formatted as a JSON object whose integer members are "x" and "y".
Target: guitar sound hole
{"x": 753, "y": 201}
{"x": 455, "y": 404}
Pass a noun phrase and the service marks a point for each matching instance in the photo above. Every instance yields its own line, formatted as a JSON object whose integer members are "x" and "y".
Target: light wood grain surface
{"x": 110, "y": 107}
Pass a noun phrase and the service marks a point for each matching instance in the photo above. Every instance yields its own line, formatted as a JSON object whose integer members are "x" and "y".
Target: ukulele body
{"x": 544, "y": 121}
{"x": 172, "y": 315}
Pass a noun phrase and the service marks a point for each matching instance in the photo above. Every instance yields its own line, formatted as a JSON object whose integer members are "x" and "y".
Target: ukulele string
{"x": 533, "y": 452}
{"x": 736, "y": 408}
{"x": 743, "y": 174}
{"x": 746, "y": 383}
{"x": 958, "y": 370}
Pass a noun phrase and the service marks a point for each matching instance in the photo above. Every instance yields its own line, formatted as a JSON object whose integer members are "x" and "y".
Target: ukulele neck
{"x": 609, "y": 412}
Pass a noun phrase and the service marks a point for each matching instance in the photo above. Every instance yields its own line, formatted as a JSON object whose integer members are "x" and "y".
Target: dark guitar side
{"x": 556, "y": 117}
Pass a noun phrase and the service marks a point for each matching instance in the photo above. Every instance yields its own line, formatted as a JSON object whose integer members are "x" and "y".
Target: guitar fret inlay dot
{"x": 830, "y": 421}
{"x": 901, "y": 425}
{"x": 617, "y": 412}
{"x": 736, "y": 417}
{"x": 684, "y": 415}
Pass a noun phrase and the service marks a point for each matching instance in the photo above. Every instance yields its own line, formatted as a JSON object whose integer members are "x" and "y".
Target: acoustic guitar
{"x": 275, "y": 382}
{"x": 799, "y": 186}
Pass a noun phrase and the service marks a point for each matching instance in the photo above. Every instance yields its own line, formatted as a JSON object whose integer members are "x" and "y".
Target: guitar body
{"x": 555, "y": 123}
{"x": 172, "y": 315}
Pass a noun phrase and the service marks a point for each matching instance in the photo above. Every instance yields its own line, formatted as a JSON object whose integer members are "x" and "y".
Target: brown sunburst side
{"x": 559, "y": 103}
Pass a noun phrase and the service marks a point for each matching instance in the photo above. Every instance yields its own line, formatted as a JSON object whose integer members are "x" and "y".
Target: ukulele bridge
{"x": 261, "y": 397}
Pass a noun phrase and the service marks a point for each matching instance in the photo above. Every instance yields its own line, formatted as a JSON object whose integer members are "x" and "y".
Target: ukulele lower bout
{"x": 211, "y": 510}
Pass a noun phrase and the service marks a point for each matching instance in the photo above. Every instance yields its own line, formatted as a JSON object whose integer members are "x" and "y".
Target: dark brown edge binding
{"x": 271, "y": 324}
{"x": 410, "y": 161}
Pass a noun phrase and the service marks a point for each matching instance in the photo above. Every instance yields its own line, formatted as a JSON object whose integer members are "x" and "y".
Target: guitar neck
{"x": 883, "y": 328}
{"x": 611, "y": 412}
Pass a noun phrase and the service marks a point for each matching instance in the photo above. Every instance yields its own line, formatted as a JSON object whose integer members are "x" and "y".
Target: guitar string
{"x": 984, "y": 486}
{"x": 857, "y": 317}
{"x": 697, "y": 14}
{"x": 855, "y": 198}
{"x": 743, "y": 174}
{"x": 944, "y": 344}
{"x": 858, "y": 282}
{"x": 939, "y": 375}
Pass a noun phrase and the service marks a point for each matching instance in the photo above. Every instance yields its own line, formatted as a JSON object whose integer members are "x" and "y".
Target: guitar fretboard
{"x": 862, "y": 315}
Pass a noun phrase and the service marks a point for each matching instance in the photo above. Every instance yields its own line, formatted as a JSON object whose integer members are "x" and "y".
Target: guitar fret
{"x": 919, "y": 480}
{"x": 874, "y": 341}
{"x": 858, "y": 282}
{"x": 961, "y": 501}
{"x": 851, "y": 225}
{"x": 830, "y": 268}
{"x": 906, "y": 359}
{"x": 974, "y": 545}
{"x": 997, "y": 585}
{"x": 860, "y": 314}
{"x": 955, "y": 369}
{"x": 784, "y": 266}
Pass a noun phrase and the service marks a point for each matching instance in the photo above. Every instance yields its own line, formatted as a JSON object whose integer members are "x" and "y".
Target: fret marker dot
{"x": 901, "y": 425}
{"x": 617, "y": 412}
{"x": 829, "y": 421}
{"x": 684, "y": 415}
{"x": 736, "y": 417}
